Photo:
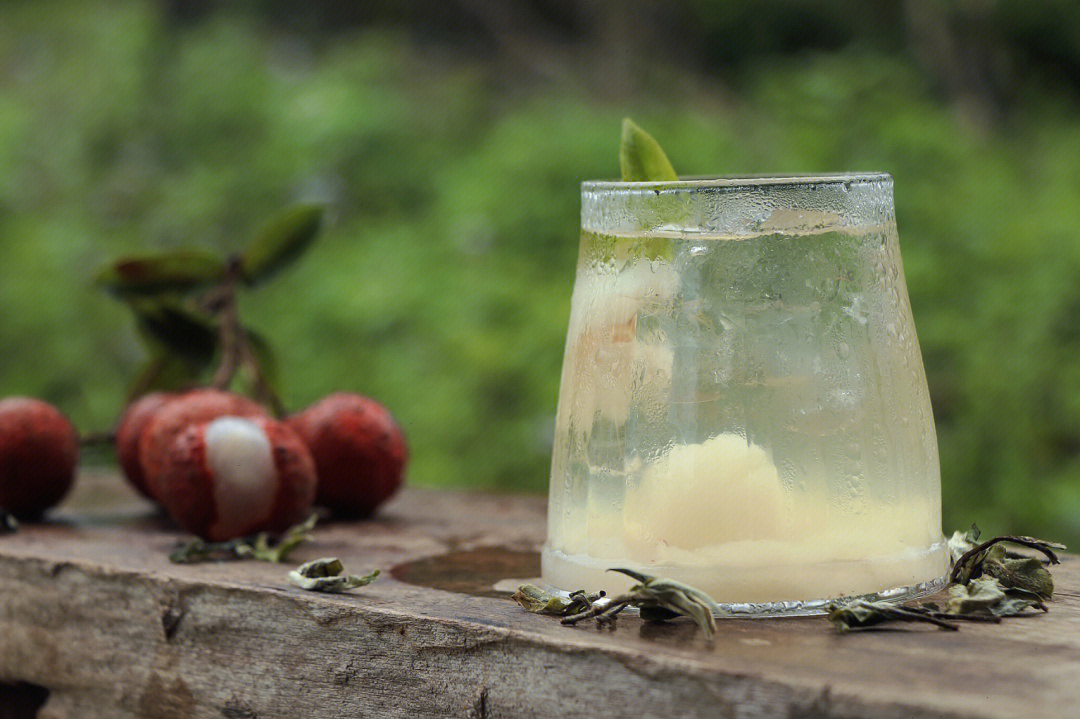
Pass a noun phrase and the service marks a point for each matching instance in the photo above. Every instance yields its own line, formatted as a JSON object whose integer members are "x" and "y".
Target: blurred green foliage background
{"x": 448, "y": 140}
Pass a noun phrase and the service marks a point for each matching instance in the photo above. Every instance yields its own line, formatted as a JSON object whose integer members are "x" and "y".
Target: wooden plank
{"x": 91, "y": 609}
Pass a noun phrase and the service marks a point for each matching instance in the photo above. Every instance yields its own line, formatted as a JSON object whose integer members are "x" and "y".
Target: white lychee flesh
{"x": 239, "y": 455}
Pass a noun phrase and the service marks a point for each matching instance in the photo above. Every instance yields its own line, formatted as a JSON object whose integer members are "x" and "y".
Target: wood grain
{"x": 91, "y": 609}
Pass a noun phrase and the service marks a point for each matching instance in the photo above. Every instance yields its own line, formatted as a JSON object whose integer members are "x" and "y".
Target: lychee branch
{"x": 236, "y": 348}
{"x": 93, "y": 439}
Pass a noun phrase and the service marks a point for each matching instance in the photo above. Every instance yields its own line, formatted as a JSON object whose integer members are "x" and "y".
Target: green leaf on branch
{"x": 162, "y": 373}
{"x": 280, "y": 241}
{"x": 174, "y": 271}
{"x": 640, "y": 157}
{"x": 168, "y": 324}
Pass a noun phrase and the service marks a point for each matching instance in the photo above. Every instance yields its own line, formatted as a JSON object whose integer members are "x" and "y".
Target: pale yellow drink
{"x": 746, "y": 412}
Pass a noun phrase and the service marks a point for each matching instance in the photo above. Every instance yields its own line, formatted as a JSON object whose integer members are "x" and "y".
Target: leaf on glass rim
{"x": 640, "y": 157}
{"x": 961, "y": 542}
{"x": 539, "y": 601}
{"x": 177, "y": 270}
{"x": 988, "y": 596}
{"x": 280, "y": 241}
{"x": 325, "y": 575}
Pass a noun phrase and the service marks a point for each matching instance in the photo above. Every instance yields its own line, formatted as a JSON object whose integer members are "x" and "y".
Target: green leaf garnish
{"x": 640, "y": 157}
{"x": 164, "y": 272}
{"x": 280, "y": 241}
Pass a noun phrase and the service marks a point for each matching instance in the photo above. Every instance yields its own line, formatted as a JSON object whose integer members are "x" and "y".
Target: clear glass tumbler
{"x": 743, "y": 403}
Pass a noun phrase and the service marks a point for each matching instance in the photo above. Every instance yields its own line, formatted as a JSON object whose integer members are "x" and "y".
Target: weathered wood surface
{"x": 91, "y": 609}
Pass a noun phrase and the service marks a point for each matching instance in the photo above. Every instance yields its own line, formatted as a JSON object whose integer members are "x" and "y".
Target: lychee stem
{"x": 236, "y": 350}
{"x": 94, "y": 438}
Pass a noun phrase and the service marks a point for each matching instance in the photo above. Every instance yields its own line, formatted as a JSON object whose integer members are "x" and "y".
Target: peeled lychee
{"x": 234, "y": 476}
{"x": 136, "y": 418}
{"x": 39, "y": 449}
{"x": 360, "y": 452}
{"x": 195, "y": 407}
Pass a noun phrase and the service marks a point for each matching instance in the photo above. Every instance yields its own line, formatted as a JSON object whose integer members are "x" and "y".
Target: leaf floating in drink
{"x": 539, "y": 601}
{"x": 259, "y": 547}
{"x": 640, "y": 157}
{"x": 658, "y": 600}
{"x": 325, "y": 575}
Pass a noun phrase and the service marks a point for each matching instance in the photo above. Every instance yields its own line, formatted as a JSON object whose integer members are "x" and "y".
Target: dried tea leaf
{"x": 640, "y": 157}
{"x": 325, "y": 575}
{"x": 174, "y": 271}
{"x": 1027, "y": 573}
{"x": 861, "y": 614}
{"x": 971, "y": 564}
{"x": 962, "y": 542}
{"x": 988, "y": 596}
{"x": 280, "y": 241}
{"x": 539, "y": 601}
{"x": 658, "y": 599}
{"x": 259, "y": 547}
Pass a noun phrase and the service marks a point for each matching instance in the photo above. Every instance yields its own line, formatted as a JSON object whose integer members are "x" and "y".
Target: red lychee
{"x": 172, "y": 418}
{"x": 136, "y": 418}
{"x": 360, "y": 452}
{"x": 234, "y": 476}
{"x": 39, "y": 449}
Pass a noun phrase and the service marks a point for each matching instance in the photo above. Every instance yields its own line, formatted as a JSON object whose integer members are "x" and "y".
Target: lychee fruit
{"x": 136, "y": 418}
{"x": 360, "y": 452}
{"x": 173, "y": 417}
{"x": 39, "y": 450}
{"x": 234, "y": 476}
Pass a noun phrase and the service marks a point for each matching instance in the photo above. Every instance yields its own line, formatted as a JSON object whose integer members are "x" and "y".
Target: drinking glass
{"x": 743, "y": 404}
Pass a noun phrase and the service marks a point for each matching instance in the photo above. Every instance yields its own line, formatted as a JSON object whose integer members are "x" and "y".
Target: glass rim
{"x": 740, "y": 182}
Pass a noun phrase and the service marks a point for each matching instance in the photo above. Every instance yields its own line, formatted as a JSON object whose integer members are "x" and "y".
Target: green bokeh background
{"x": 449, "y": 151}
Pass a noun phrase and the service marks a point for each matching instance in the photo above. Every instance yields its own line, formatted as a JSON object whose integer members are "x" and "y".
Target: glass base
{"x": 905, "y": 577}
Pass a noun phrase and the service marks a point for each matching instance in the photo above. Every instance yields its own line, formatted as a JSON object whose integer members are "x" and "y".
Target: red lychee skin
{"x": 187, "y": 489}
{"x": 360, "y": 452}
{"x": 39, "y": 450}
{"x": 136, "y": 418}
{"x": 195, "y": 407}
